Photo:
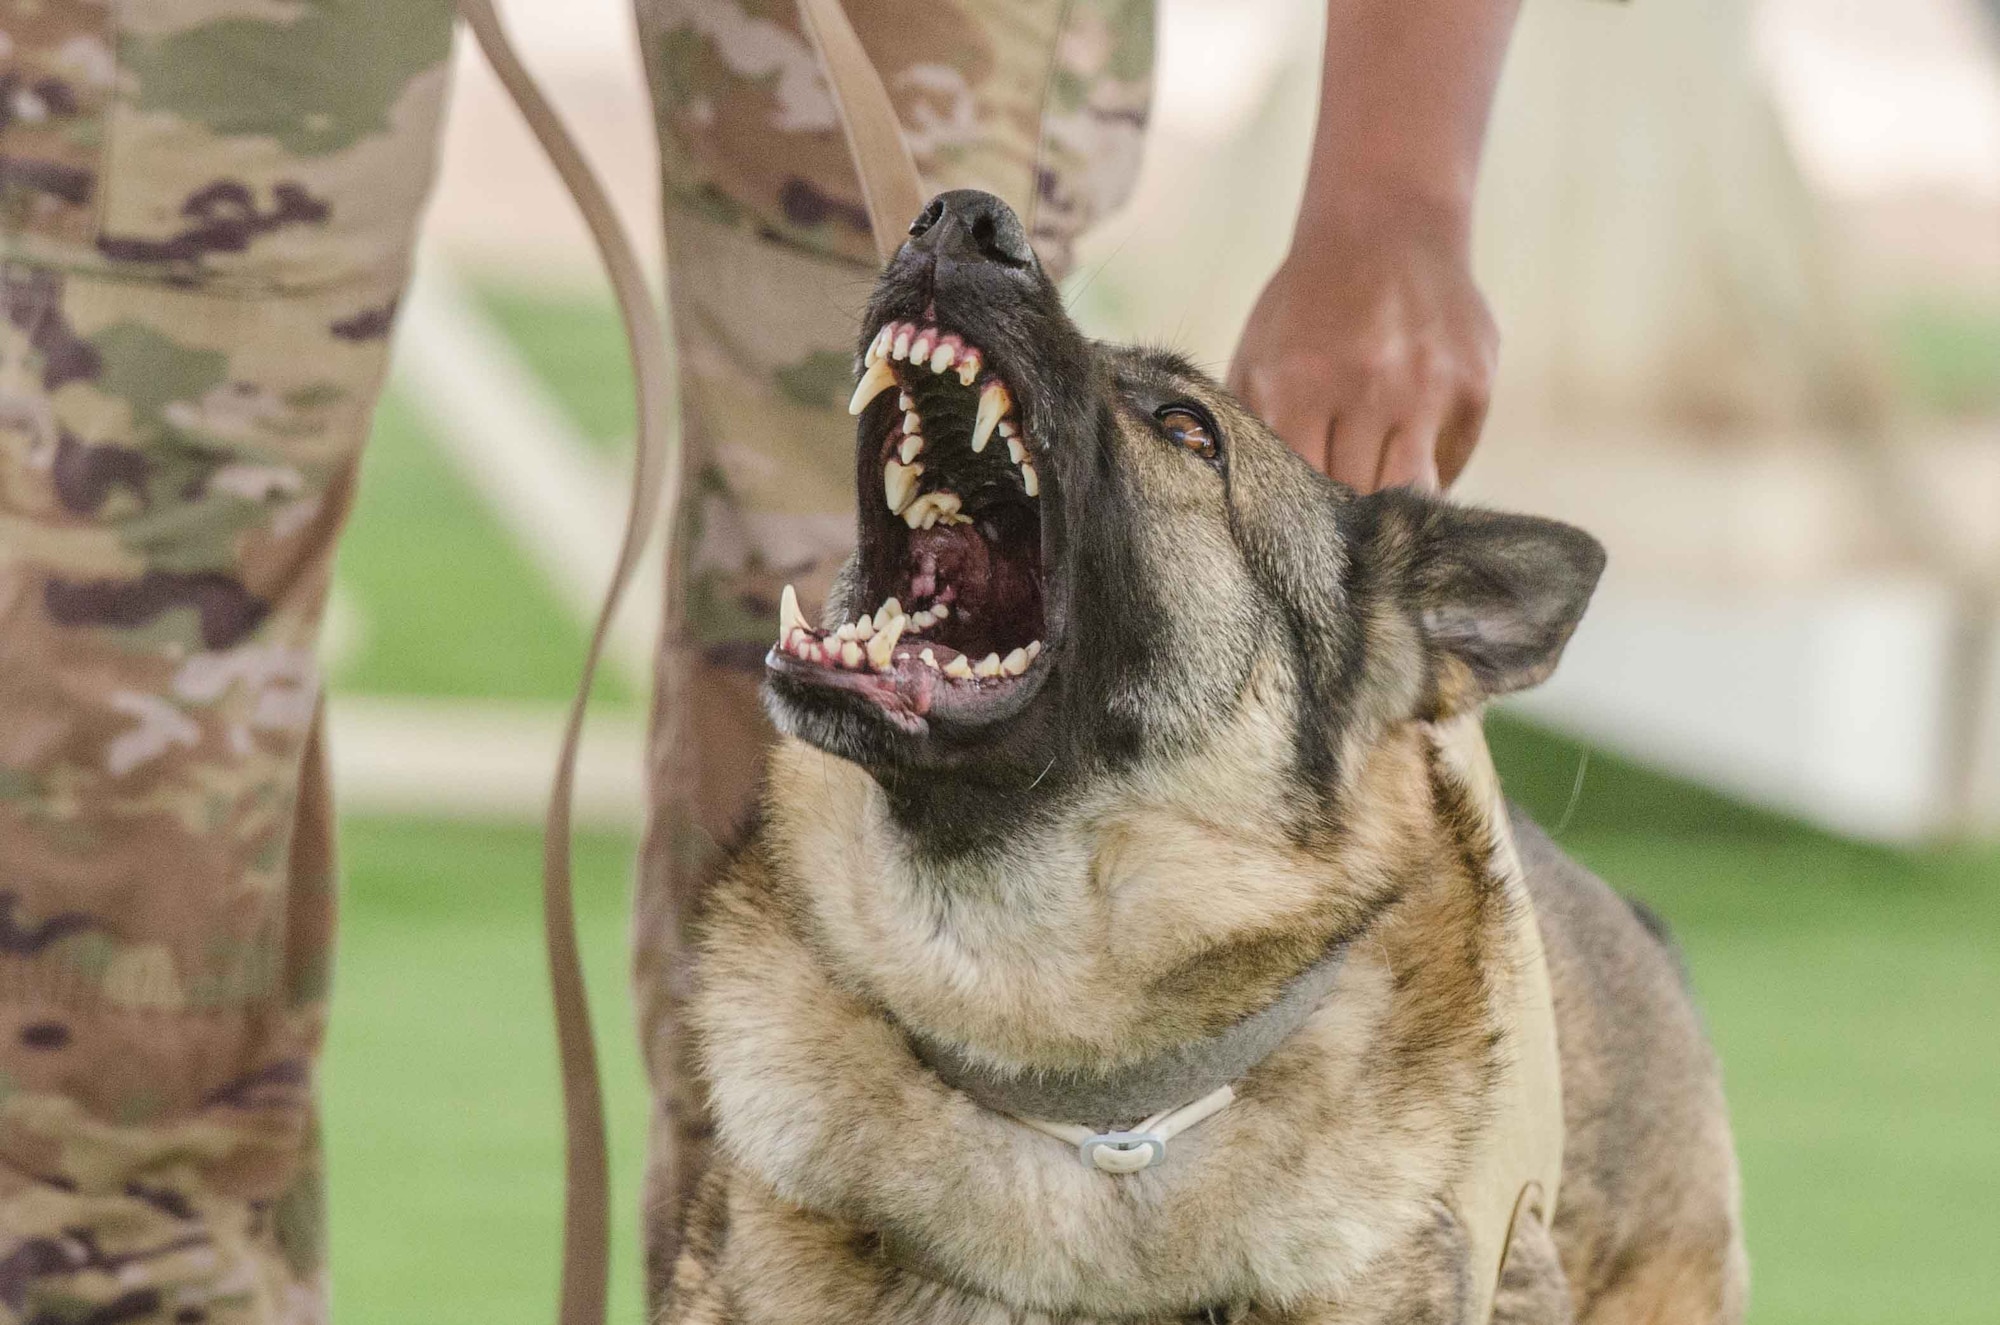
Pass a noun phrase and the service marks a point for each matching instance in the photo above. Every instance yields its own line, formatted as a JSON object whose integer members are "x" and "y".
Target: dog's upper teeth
{"x": 891, "y": 607}
{"x": 940, "y": 610}
{"x": 847, "y": 631}
{"x": 899, "y": 484}
{"x": 943, "y": 356}
{"x": 959, "y": 668}
{"x": 922, "y": 621}
{"x": 899, "y": 348}
{"x": 904, "y": 401}
{"x": 879, "y": 378}
{"x": 1007, "y": 428}
{"x": 1031, "y": 482}
{"x": 987, "y": 666}
{"x": 968, "y": 367}
{"x": 882, "y": 648}
{"x": 879, "y": 347}
{"x": 913, "y": 424}
{"x": 789, "y": 616}
{"x": 912, "y": 447}
{"x": 928, "y": 509}
{"x": 864, "y": 627}
{"x": 993, "y": 403}
{"x": 921, "y": 344}
{"x": 1014, "y": 663}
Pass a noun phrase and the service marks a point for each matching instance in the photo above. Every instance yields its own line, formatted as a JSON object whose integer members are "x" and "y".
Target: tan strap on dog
{"x": 894, "y": 193}
{"x": 1516, "y": 1164}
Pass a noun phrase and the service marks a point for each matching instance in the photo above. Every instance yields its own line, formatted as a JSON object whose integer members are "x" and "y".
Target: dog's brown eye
{"x": 1188, "y": 429}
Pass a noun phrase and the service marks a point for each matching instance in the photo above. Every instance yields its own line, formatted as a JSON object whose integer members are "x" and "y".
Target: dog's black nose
{"x": 970, "y": 225}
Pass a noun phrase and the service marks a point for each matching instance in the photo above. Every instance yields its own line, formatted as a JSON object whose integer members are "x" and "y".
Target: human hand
{"x": 1371, "y": 351}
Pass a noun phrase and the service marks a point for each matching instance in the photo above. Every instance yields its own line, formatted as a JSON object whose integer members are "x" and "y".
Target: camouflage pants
{"x": 206, "y": 211}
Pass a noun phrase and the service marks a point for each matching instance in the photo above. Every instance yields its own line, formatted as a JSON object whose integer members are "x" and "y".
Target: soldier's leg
{"x": 770, "y": 263}
{"x": 205, "y": 219}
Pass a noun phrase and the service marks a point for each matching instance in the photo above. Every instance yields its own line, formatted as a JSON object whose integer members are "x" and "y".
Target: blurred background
{"x": 1745, "y": 255}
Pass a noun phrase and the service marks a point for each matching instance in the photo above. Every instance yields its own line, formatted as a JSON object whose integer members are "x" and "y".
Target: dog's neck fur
{"x": 1141, "y": 915}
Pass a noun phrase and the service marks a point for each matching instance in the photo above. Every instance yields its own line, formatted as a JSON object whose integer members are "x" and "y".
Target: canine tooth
{"x": 900, "y": 347}
{"x": 930, "y": 658}
{"x": 992, "y": 404}
{"x": 1031, "y": 482}
{"x": 912, "y": 447}
{"x": 1015, "y": 451}
{"x": 987, "y": 666}
{"x": 912, "y": 424}
{"x": 942, "y": 356}
{"x": 789, "y": 616}
{"x": 882, "y": 648}
{"x": 879, "y": 378}
{"x": 968, "y": 367}
{"x": 959, "y": 668}
{"x": 851, "y": 655}
{"x": 1014, "y": 663}
{"x": 899, "y": 484}
{"x": 1034, "y": 649}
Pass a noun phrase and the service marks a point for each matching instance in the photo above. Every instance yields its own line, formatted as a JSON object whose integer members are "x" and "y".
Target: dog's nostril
{"x": 927, "y": 218}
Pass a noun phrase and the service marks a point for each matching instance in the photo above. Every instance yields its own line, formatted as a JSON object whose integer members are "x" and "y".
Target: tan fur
{"x": 1159, "y": 903}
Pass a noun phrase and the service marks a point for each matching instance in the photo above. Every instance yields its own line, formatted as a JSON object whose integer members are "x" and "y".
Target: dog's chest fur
{"x": 852, "y": 1180}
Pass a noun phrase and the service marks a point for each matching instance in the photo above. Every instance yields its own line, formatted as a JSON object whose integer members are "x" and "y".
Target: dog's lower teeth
{"x": 968, "y": 367}
{"x": 1015, "y": 451}
{"x": 930, "y": 659}
{"x": 1031, "y": 482}
{"x": 882, "y": 648}
{"x": 959, "y": 668}
{"x": 1014, "y": 663}
{"x": 899, "y": 349}
{"x": 912, "y": 447}
{"x": 988, "y": 666}
{"x": 942, "y": 357}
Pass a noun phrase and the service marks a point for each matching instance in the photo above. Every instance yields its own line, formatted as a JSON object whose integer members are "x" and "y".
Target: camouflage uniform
{"x": 206, "y": 209}
{"x": 770, "y": 261}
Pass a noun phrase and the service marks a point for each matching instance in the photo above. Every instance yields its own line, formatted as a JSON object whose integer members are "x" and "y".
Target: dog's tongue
{"x": 986, "y": 588}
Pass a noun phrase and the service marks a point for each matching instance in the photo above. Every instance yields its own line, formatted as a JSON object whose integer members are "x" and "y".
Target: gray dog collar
{"x": 1152, "y": 1088}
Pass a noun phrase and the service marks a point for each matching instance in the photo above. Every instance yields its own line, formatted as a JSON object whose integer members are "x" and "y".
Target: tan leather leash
{"x": 655, "y": 485}
{"x": 1517, "y": 1164}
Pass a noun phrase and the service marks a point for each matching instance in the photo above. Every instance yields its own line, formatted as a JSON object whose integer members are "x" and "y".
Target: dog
{"x": 1121, "y": 744}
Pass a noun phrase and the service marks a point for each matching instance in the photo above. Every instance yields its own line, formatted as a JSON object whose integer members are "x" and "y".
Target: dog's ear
{"x": 1495, "y": 596}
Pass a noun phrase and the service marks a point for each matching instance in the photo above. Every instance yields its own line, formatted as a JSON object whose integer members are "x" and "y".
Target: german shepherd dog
{"x": 1120, "y": 725}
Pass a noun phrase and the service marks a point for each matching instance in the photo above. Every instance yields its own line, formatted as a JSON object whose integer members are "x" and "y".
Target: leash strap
{"x": 655, "y": 484}
{"x": 895, "y": 194}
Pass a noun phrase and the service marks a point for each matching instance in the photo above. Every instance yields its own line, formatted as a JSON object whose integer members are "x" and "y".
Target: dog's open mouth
{"x": 951, "y": 548}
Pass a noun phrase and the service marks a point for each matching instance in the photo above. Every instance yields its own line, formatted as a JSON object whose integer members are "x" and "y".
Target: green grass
{"x": 1945, "y": 350}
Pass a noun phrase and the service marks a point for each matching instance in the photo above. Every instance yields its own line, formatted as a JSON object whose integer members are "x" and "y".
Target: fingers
{"x": 1409, "y": 459}
{"x": 1358, "y": 439}
{"x": 1460, "y": 434}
